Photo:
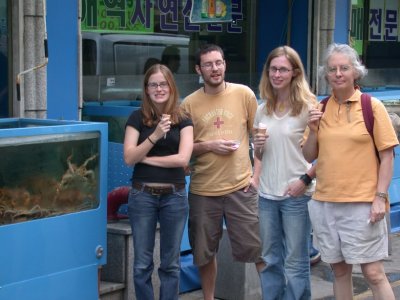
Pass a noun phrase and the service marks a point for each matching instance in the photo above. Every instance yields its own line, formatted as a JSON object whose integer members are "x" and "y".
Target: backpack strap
{"x": 324, "y": 102}
{"x": 368, "y": 114}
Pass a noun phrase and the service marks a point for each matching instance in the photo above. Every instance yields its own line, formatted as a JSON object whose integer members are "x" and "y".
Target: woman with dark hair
{"x": 158, "y": 142}
{"x": 285, "y": 180}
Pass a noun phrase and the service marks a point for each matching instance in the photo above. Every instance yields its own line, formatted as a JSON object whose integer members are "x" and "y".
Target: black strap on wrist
{"x": 306, "y": 179}
{"x": 150, "y": 140}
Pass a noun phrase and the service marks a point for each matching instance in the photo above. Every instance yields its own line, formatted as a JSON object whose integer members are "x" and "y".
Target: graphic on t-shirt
{"x": 218, "y": 122}
{"x": 221, "y": 124}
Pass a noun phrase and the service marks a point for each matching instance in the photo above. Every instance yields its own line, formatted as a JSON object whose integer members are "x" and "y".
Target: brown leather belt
{"x": 158, "y": 190}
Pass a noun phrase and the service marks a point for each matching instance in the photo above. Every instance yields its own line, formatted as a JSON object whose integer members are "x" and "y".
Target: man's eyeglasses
{"x": 209, "y": 65}
{"x": 342, "y": 69}
{"x": 154, "y": 85}
{"x": 282, "y": 70}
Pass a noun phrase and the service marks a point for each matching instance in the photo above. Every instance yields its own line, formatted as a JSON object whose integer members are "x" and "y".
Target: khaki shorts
{"x": 342, "y": 232}
{"x": 239, "y": 210}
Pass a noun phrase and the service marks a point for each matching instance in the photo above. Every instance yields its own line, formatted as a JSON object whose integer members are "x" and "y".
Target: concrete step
{"x": 111, "y": 290}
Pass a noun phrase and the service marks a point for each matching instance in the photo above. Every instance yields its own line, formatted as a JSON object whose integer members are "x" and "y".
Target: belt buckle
{"x": 154, "y": 193}
{"x": 158, "y": 191}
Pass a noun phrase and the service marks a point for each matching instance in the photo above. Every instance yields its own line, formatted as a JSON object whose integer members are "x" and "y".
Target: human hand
{"x": 162, "y": 127}
{"x": 254, "y": 182}
{"x": 259, "y": 140}
{"x": 314, "y": 117}
{"x": 223, "y": 147}
{"x": 295, "y": 188}
{"x": 378, "y": 210}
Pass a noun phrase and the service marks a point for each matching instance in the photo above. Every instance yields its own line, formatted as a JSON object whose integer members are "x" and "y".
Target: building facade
{"x": 97, "y": 49}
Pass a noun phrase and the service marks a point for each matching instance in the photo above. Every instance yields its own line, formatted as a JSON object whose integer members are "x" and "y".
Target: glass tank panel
{"x": 48, "y": 175}
{"x": 116, "y": 126}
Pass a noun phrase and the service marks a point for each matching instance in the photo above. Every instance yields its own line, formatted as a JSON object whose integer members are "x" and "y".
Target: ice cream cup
{"x": 165, "y": 117}
{"x": 262, "y": 128}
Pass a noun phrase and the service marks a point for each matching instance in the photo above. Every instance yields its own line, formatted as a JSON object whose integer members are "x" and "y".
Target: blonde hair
{"x": 300, "y": 93}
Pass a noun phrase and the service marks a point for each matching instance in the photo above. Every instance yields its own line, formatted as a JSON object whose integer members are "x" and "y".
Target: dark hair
{"x": 206, "y": 49}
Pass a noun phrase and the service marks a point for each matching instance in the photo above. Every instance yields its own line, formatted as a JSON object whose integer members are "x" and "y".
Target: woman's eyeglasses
{"x": 282, "y": 70}
{"x": 154, "y": 85}
{"x": 342, "y": 69}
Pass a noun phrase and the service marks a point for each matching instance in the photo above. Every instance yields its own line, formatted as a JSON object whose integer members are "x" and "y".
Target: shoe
{"x": 314, "y": 259}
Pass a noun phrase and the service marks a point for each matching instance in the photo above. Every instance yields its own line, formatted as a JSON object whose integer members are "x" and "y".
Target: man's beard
{"x": 213, "y": 83}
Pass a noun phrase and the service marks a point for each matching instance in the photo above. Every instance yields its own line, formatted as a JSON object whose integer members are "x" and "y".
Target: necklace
{"x": 281, "y": 107}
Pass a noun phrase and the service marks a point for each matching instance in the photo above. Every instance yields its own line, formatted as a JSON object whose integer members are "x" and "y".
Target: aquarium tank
{"x": 48, "y": 175}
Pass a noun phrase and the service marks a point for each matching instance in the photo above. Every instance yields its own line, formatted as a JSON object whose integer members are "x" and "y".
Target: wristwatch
{"x": 382, "y": 195}
{"x": 306, "y": 179}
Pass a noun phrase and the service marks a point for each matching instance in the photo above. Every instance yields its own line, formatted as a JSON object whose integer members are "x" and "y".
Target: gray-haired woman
{"x": 348, "y": 207}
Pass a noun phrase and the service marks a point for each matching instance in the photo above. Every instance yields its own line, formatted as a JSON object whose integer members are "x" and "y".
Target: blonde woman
{"x": 285, "y": 180}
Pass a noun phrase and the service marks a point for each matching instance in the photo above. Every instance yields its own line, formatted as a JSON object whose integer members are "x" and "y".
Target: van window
{"x": 89, "y": 57}
{"x": 131, "y": 58}
{"x": 114, "y": 64}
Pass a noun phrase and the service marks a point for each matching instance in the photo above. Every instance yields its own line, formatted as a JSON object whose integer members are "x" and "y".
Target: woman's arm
{"x": 134, "y": 153}
{"x": 385, "y": 173}
{"x": 255, "y": 180}
{"x": 310, "y": 147}
{"x": 181, "y": 159}
{"x": 219, "y": 146}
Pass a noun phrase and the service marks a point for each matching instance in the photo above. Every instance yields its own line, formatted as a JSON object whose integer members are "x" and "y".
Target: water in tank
{"x": 48, "y": 175}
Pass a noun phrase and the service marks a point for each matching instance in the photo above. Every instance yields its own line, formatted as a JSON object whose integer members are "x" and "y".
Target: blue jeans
{"x": 171, "y": 211}
{"x": 285, "y": 233}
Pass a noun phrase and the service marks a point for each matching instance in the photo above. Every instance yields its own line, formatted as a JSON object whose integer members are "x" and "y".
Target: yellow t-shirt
{"x": 347, "y": 167}
{"x": 226, "y": 115}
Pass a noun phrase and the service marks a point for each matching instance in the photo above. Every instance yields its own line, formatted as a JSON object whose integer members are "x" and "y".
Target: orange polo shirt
{"x": 347, "y": 168}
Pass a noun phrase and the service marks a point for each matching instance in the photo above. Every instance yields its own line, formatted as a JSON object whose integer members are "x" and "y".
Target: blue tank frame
{"x": 55, "y": 257}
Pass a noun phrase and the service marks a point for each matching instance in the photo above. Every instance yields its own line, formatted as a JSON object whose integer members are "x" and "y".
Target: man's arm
{"x": 221, "y": 147}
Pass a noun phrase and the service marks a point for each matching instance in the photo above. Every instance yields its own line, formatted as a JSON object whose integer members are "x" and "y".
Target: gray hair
{"x": 348, "y": 51}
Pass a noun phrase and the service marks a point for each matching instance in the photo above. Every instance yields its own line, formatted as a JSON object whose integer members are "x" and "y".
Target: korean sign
{"x": 384, "y": 20}
{"x": 357, "y": 25}
{"x": 168, "y": 16}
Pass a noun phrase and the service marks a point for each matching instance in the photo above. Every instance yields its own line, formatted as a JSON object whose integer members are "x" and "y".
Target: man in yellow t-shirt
{"x": 221, "y": 186}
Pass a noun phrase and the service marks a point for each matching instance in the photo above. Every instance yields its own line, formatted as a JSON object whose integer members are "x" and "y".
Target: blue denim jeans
{"x": 285, "y": 233}
{"x": 171, "y": 211}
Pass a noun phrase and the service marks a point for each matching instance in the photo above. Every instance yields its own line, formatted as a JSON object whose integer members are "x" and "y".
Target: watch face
{"x": 382, "y": 195}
